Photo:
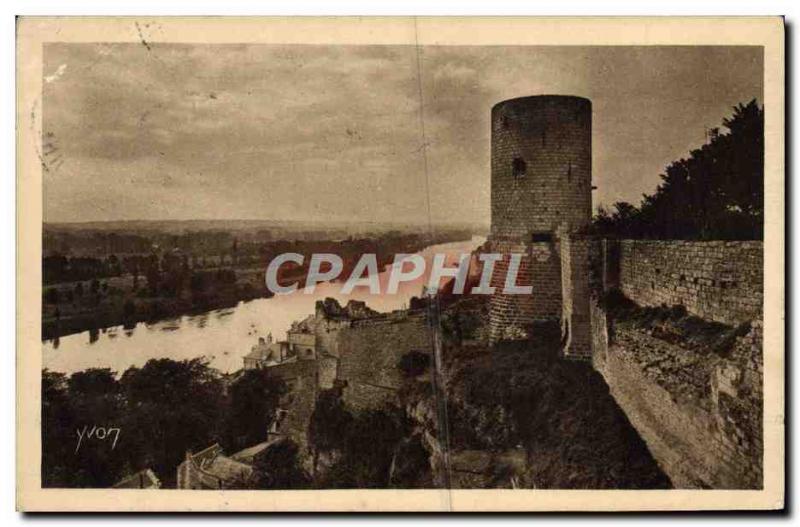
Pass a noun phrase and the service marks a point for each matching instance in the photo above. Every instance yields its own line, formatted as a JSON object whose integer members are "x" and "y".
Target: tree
{"x": 131, "y": 265}
{"x": 715, "y": 193}
{"x": 52, "y": 296}
{"x": 369, "y": 447}
{"x": 129, "y": 310}
{"x": 96, "y": 401}
{"x": 54, "y": 268}
{"x": 162, "y": 410}
{"x": 253, "y": 403}
{"x": 278, "y": 467}
{"x": 226, "y": 276}
{"x": 153, "y": 274}
{"x": 329, "y": 423}
{"x": 172, "y": 407}
{"x": 198, "y": 282}
{"x": 114, "y": 266}
{"x": 58, "y": 431}
{"x": 94, "y": 382}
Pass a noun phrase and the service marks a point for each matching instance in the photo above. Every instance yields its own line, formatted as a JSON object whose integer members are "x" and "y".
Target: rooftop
{"x": 212, "y": 461}
{"x": 144, "y": 479}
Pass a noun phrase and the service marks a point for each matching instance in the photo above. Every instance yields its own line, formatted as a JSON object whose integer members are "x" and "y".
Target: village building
{"x": 211, "y": 469}
{"x": 300, "y": 344}
{"x": 351, "y": 347}
{"x": 144, "y": 479}
{"x": 266, "y": 353}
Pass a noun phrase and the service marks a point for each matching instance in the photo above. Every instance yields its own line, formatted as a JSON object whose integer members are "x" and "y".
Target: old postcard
{"x": 400, "y": 264}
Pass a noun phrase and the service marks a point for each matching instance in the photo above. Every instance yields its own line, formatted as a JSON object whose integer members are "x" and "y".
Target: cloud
{"x": 302, "y": 132}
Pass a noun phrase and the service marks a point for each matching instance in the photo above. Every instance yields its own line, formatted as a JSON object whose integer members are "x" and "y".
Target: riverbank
{"x": 173, "y": 288}
{"x": 127, "y": 306}
{"x": 223, "y": 334}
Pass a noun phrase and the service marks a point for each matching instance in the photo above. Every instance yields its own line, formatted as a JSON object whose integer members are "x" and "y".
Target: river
{"x": 224, "y": 336}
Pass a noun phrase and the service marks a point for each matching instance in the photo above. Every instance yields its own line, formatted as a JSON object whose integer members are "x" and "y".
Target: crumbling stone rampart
{"x": 715, "y": 280}
{"x": 700, "y": 410}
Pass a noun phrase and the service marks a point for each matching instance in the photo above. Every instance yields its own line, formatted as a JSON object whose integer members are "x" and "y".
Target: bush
{"x": 368, "y": 449}
{"x": 715, "y": 193}
{"x": 414, "y": 363}
{"x": 254, "y": 399}
{"x": 278, "y": 467}
{"x": 329, "y": 422}
{"x": 128, "y": 309}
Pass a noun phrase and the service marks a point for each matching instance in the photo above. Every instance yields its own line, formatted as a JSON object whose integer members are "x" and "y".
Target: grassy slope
{"x": 561, "y": 412}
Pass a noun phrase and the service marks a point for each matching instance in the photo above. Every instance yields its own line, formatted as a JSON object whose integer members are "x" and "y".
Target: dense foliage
{"x": 716, "y": 193}
{"x": 522, "y": 393}
{"x": 252, "y": 403}
{"x": 329, "y": 422}
{"x": 363, "y": 444}
{"x": 162, "y": 410}
{"x": 278, "y": 467}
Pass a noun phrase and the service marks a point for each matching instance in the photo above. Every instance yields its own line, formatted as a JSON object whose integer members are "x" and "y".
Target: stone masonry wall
{"x": 700, "y": 416}
{"x": 302, "y": 379}
{"x": 541, "y": 160}
{"x": 541, "y": 165}
{"x": 326, "y": 331}
{"x": 511, "y": 315}
{"x": 575, "y": 315}
{"x": 369, "y": 354}
{"x": 738, "y": 403}
{"x": 700, "y": 412}
{"x": 716, "y": 280}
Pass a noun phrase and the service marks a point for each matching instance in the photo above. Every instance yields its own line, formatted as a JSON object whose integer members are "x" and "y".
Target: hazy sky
{"x": 334, "y": 132}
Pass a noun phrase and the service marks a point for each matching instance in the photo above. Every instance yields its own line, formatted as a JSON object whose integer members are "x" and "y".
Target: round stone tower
{"x": 541, "y": 190}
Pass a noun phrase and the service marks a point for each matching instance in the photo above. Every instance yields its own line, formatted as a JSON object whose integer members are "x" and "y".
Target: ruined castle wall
{"x": 303, "y": 344}
{"x": 603, "y": 277}
{"x": 600, "y": 325}
{"x": 327, "y": 368}
{"x": 188, "y": 476}
{"x": 738, "y": 398}
{"x": 302, "y": 379}
{"x": 701, "y": 420}
{"x": 325, "y": 332}
{"x": 699, "y": 412}
{"x": 369, "y": 355}
{"x": 575, "y": 314}
{"x": 715, "y": 280}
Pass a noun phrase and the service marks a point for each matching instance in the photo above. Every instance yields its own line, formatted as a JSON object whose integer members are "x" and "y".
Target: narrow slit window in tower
{"x": 518, "y": 167}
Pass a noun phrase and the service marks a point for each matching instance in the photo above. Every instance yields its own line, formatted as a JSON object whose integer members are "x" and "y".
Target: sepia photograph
{"x": 420, "y": 256}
